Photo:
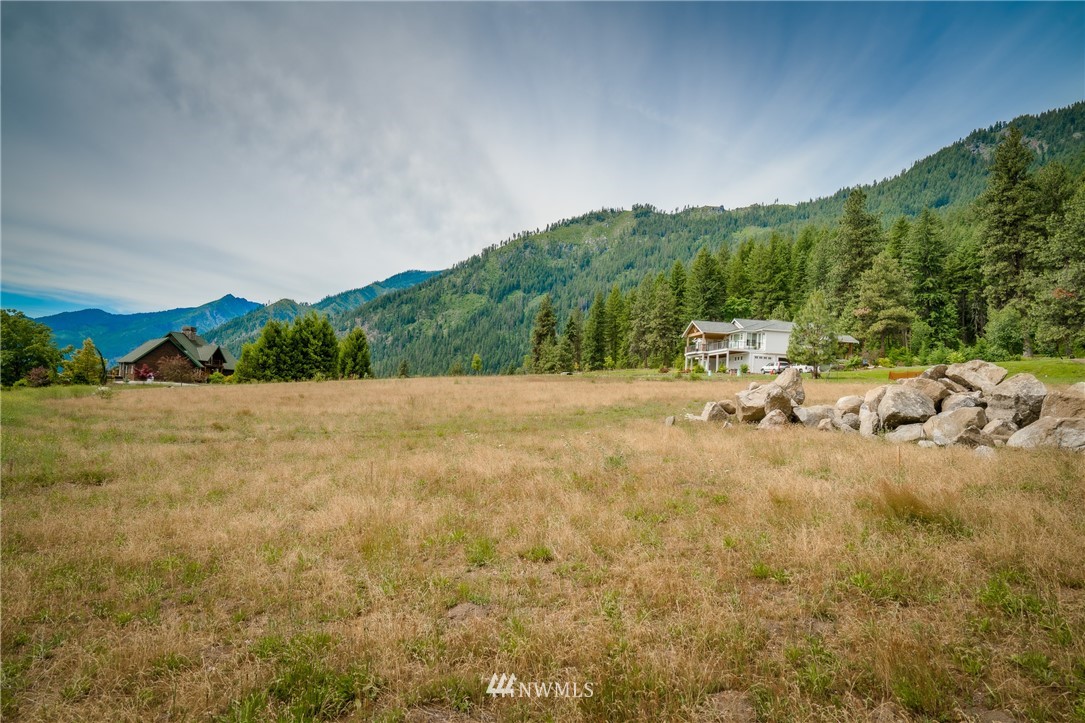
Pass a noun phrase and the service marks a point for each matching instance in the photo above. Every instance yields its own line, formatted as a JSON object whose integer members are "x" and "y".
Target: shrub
{"x": 19, "y": 384}
{"x": 177, "y": 369}
{"x": 39, "y": 377}
{"x": 216, "y": 378}
{"x": 745, "y": 368}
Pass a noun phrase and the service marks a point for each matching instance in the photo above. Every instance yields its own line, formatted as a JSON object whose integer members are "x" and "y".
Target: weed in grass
{"x": 481, "y": 551}
{"x": 460, "y": 693}
{"x": 760, "y": 571}
{"x": 900, "y": 504}
{"x": 999, "y": 593}
{"x": 538, "y": 553}
{"x": 815, "y": 666}
{"x": 1036, "y": 665}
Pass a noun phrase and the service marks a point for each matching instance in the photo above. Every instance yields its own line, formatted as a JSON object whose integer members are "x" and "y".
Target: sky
{"x": 162, "y": 155}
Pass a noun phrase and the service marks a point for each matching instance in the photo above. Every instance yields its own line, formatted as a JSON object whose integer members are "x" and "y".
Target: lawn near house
{"x": 380, "y": 549}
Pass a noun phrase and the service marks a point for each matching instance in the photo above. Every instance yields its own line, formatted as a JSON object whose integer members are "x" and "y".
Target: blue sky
{"x": 164, "y": 154}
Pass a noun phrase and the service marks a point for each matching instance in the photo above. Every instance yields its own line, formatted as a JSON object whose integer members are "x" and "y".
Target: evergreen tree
{"x": 678, "y": 289}
{"x": 354, "y": 356}
{"x": 476, "y": 363}
{"x": 617, "y": 330}
{"x": 923, "y": 259}
{"x": 813, "y": 339}
{"x": 858, "y": 241}
{"x": 574, "y": 330}
{"x": 1058, "y": 307}
{"x": 738, "y": 278}
{"x": 882, "y": 314}
{"x": 640, "y": 317}
{"x": 770, "y": 276}
{"x": 1007, "y": 208}
{"x": 706, "y": 293}
{"x": 25, "y": 344}
{"x": 564, "y": 361}
{"x": 545, "y": 329}
{"x": 314, "y": 348}
{"x": 404, "y": 369}
{"x": 898, "y": 237}
{"x": 595, "y": 335}
{"x": 662, "y": 340}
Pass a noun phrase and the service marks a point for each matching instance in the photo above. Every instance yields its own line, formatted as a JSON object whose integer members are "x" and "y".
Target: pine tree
{"x": 662, "y": 340}
{"x": 898, "y": 238}
{"x": 314, "y": 347}
{"x": 617, "y": 331}
{"x": 354, "y": 360}
{"x": 1058, "y": 306}
{"x": 858, "y": 241}
{"x": 545, "y": 329}
{"x": 1007, "y": 208}
{"x": 882, "y": 312}
{"x": 595, "y": 335}
{"x": 640, "y": 313}
{"x": 813, "y": 339}
{"x": 706, "y": 293}
{"x": 574, "y": 330}
{"x": 923, "y": 259}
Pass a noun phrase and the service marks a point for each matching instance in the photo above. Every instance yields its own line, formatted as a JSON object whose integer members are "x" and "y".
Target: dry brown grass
{"x": 293, "y": 550}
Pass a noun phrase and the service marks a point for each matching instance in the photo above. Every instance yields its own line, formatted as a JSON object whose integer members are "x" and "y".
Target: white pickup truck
{"x": 775, "y": 367}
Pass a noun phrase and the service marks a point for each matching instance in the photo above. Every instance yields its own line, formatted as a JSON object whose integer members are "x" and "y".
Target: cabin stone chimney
{"x": 189, "y": 331}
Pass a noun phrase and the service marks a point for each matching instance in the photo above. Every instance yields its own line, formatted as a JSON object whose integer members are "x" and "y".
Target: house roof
{"x": 711, "y": 327}
{"x": 198, "y": 350}
{"x": 847, "y": 339}
{"x": 763, "y": 325}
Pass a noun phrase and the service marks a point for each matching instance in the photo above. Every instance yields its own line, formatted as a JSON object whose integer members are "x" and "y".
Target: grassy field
{"x": 379, "y": 549}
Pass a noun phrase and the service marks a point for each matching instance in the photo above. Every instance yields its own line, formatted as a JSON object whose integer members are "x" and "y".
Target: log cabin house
{"x": 187, "y": 344}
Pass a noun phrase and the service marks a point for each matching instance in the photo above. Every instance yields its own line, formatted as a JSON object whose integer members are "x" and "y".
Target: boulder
{"x": 849, "y": 404}
{"x": 728, "y": 406}
{"x": 810, "y": 416}
{"x": 949, "y": 427}
{"x": 777, "y": 400}
{"x": 668, "y": 422}
{"x": 974, "y": 437}
{"x": 1065, "y": 403}
{"x": 952, "y": 386}
{"x": 714, "y": 412}
{"x": 869, "y": 423}
{"x": 976, "y": 374}
{"x": 826, "y": 424}
{"x": 937, "y": 392}
{"x": 874, "y": 396}
{"x": 927, "y": 444}
{"x": 753, "y": 385}
{"x": 965, "y": 399}
{"x": 750, "y": 405}
{"x": 1063, "y": 432}
{"x": 775, "y": 419}
{"x": 985, "y": 452}
{"x": 1017, "y": 399}
{"x": 905, "y": 433}
{"x": 904, "y": 405}
{"x": 849, "y": 421}
{"x": 790, "y": 380}
{"x": 1000, "y": 430}
{"x": 938, "y": 371}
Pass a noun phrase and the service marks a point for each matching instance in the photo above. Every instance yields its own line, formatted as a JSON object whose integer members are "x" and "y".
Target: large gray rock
{"x": 757, "y": 401}
{"x": 937, "y": 392}
{"x": 1064, "y": 432}
{"x": 976, "y": 374}
{"x": 775, "y": 419}
{"x": 905, "y": 433}
{"x": 874, "y": 396}
{"x": 952, "y": 386}
{"x": 1000, "y": 430}
{"x": 1017, "y": 399}
{"x": 728, "y": 406}
{"x": 869, "y": 422}
{"x": 810, "y": 416}
{"x": 850, "y": 403}
{"x": 714, "y": 412}
{"x": 848, "y": 419}
{"x": 938, "y": 371}
{"x": 776, "y": 399}
{"x": 949, "y": 427}
{"x": 1065, "y": 403}
{"x": 827, "y": 424}
{"x": 904, "y": 405}
{"x": 965, "y": 399}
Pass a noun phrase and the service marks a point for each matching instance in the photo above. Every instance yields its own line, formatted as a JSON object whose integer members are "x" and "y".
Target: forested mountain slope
{"x": 486, "y": 304}
{"x": 236, "y": 332}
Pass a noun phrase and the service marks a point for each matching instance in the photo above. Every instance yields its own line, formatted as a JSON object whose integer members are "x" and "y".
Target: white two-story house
{"x": 726, "y": 346}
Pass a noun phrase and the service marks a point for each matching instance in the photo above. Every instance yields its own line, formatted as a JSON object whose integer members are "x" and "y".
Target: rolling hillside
{"x": 117, "y": 334}
{"x": 486, "y": 304}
